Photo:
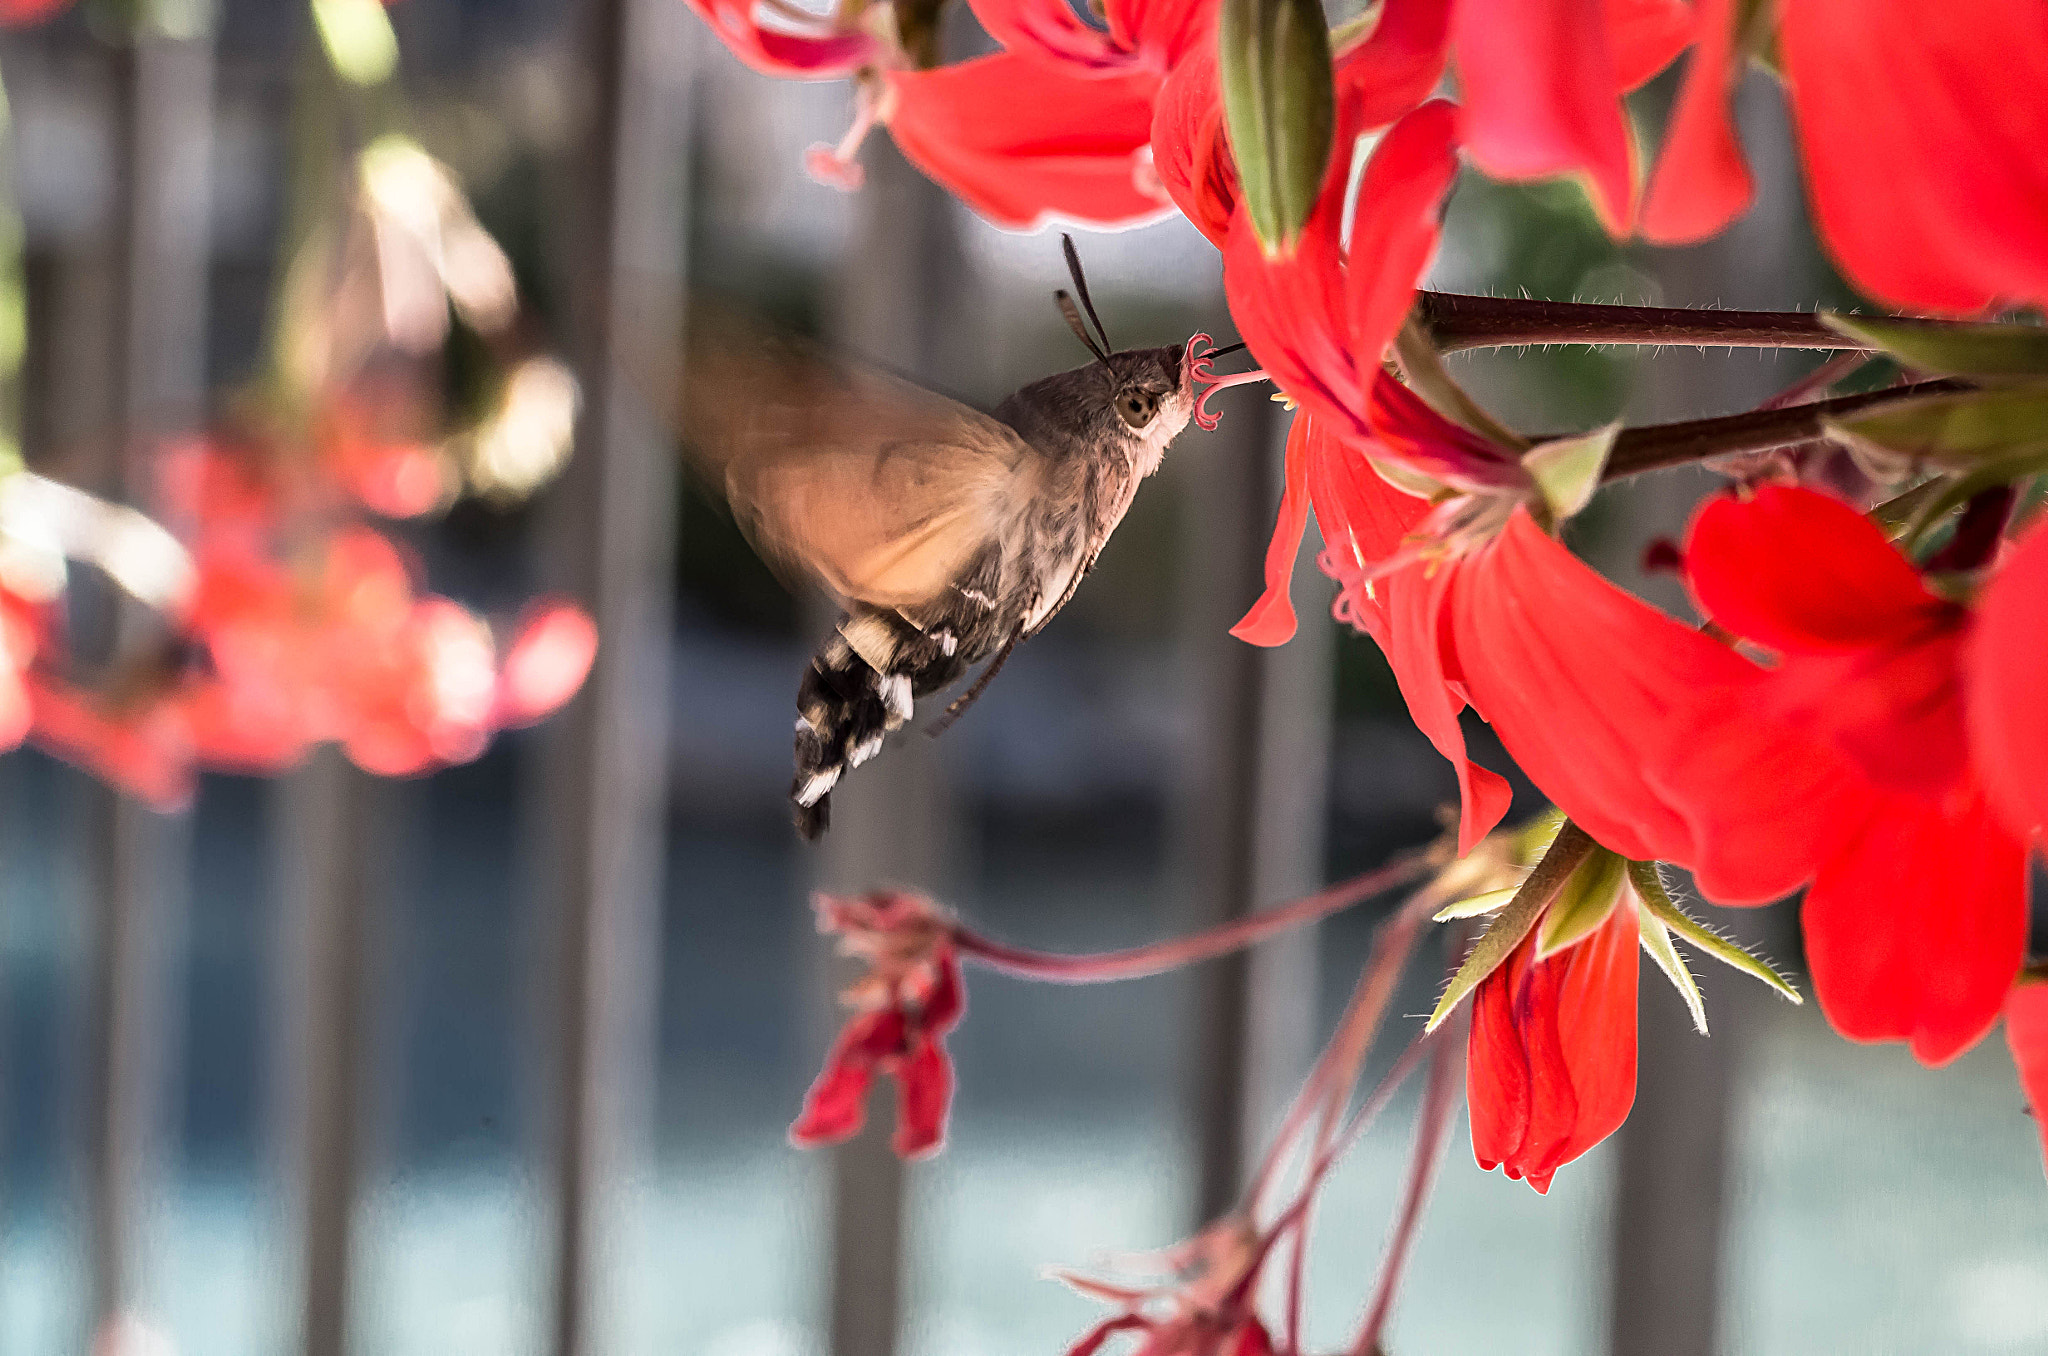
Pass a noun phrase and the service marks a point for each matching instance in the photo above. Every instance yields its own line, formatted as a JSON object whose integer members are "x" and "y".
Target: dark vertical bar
{"x": 138, "y": 859}
{"x": 335, "y": 887}
{"x": 1256, "y": 787}
{"x": 892, "y": 821}
{"x": 612, "y": 544}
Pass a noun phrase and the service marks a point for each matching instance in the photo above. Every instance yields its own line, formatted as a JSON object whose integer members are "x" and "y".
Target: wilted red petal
{"x": 1917, "y": 928}
{"x": 547, "y": 662}
{"x": 1017, "y": 139}
{"x": 1882, "y": 95}
{"x": 835, "y": 1108}
{"x": 2026, "y": 1033}
{"x": 924, "y": 1093}
{"x": 1702, "y": 181}
{"x": 1647, "y": 36}
{"x": 1540, "y": 86}
{"x": 2005, "y": 660}
{"x": 1394, "y": 236}
{"x": 1800, "y": 573}
{"x": 1271, "y": 619}
{"x": 779, "y": 51}
{"x": 1581, "y": 681}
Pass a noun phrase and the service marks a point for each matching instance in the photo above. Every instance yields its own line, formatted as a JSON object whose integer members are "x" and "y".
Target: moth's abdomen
{"x": 862, "y": 684}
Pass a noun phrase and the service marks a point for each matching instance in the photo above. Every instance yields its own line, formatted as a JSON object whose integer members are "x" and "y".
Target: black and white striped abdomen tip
{"x": 845, "y": 708}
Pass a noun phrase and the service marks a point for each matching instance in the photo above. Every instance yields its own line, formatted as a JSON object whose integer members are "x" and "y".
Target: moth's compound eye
{"x": 1137, "y": 408}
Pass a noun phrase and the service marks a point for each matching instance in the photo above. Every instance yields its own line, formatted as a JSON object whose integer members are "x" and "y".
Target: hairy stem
{"x": 1158, "y": 957}
{"x": 1456, "y": 321}
{"x": 1654, "y": 447}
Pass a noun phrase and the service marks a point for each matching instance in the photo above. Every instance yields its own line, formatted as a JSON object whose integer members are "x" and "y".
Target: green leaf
{"x": 1656, "y": 940}
{"x": 1567, "y": 470}
{"x": 1949, "y": 349}
{"x": 1957, "y": 432}
{"x": 1586, "y": 901}
{"x": 1279, "y": 104}
{"x": 1657, "y": 900}
{"x": 1476, "y": 906}
{"x": 1572, "y": 847}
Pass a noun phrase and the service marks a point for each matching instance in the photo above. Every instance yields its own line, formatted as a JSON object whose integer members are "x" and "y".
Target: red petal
{"x": 1017, "y": 139}
{"x": 1050, "y": 30}
{"x": 1252, "y": 1340}
{"x": 1702, "y": 182}
{"x": 2005, "y": 658}
{"x": 1799, "y": 572}
{"x": 774, "y": 51}
{"x": 1553, "y": 1103}
{"x": 835, "y": 1108}
{"x": 1189, "y": 150}
{"x": 1291, "y": 312}
{"x": 1271, "y": 619}
{"x": 1162, "y": 33}
{"x": 1647, "y": 35}
{"x": 1917, "y": 928}
{"x": 924, "y": 1093}
{"x": 1411, "y": 433}
{"x": 547, "y": 662}
{"x": 1767, "y": 804}
{"x": 1394, "y": 235}
{"x": 1883, "y": 96}
{"x": 2026, "y": 1032}
{"x": 946, "y": 1004}
{"x": 1597, "y": 1027}
{"x": 1582, "y": 683}
{"x": 1539, "y": 84}
{"x": 1397, "y": 65}
{"x": 1496, "y": 1071}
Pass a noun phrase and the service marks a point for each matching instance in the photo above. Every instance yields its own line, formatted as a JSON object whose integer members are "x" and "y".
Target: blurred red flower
{"x": 905, "y": 1004}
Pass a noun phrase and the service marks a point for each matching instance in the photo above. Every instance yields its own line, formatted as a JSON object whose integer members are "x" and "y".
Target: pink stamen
{"x": 1203, "y": 376}
{"x": 837, "y": 166}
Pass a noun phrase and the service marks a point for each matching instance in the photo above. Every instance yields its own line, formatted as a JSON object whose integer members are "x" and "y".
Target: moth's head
{"x": 1150, "y": 392}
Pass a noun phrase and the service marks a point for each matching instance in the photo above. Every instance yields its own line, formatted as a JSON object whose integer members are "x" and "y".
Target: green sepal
{"x": 1587, "y": 900}
{"x": 1476, "y": 906}
{"x": 1657, "y": 900}
{"x": 1958, "y": 432}
{"x": 1427, "y": 376}
{"x": 1568, "y": 470}
{"x": 1512, "y": 924}
{"x": 1656, "y": 939}
{"x": 1280, "y": 106}
{"x": 1955, "y": 491}
{"x": 1951, "y": 350}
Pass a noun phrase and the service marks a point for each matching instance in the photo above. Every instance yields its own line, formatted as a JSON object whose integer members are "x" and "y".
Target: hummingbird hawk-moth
{"x": 946, "y": 535}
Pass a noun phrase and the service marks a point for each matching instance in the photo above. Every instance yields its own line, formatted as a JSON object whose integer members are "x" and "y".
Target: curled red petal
{"x": 1394, "y": 236}
{"x": 2005, "y": 658}
{"x": 1702, "y": 181}
{"x": 1271, "y": 619}
{"x": 1190, "y": 151}
{"x": 1539, "y": 85}
{"x": 1647, "y": 36}
{"x": 1396, "y": 65}
{"x": 1018, "y": 139}
{"x": 1882, "y": 96}
{"x": 2026, "y": 1035}
{"x": 1917, "y": 928}
{"x": 1581, "y": 682}
{"x": 1798, "y": 572}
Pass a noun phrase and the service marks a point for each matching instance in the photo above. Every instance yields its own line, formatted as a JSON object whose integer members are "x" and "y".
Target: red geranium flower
{"x": 1207, "y": 1309}
{"x": 1847, "y": 765}
{"x": 1552, "y": 1063}
{"x": 1880, "y": 95}
{"x": 906, "y": 1003}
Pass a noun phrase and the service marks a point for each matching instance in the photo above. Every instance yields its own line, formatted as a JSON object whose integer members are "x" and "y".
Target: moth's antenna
{"x": 1081, "y": 286}
{"x": 1074, "y": 323}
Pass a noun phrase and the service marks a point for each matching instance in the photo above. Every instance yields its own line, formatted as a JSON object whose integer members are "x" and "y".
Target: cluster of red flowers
{"x": 277, "y": 635}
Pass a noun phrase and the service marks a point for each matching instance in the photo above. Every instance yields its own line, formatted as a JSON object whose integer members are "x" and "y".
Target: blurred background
{"x": 500, "y": 1060}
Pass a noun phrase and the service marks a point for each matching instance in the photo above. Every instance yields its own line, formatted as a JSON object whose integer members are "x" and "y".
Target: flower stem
{"x": 1655, "y": 447}
{"x": 1456, "y": 321}
{"x": 1158, "y": 957}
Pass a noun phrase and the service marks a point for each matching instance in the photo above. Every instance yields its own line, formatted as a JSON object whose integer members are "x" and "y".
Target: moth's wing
{"x": 881, "y": 490}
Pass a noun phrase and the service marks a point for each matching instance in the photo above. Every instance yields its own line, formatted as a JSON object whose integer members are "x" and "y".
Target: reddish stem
{"x": 1456, "y": 321}
{"x": 1432, "y": 1133}
{"x": 1159, "y": 957}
